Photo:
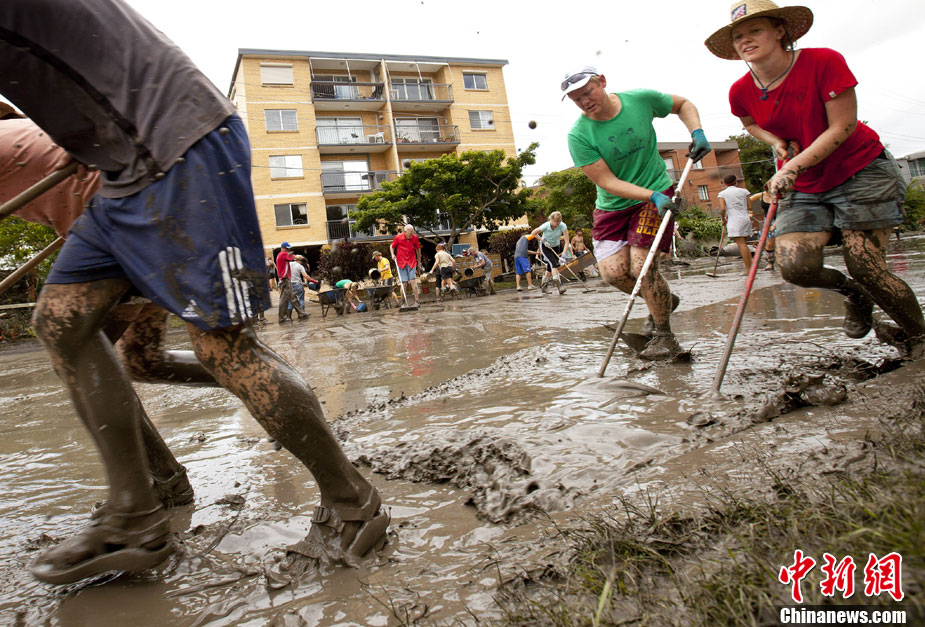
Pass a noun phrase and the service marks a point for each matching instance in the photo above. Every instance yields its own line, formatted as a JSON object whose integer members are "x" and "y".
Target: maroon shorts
{"x": 636, "y": 225}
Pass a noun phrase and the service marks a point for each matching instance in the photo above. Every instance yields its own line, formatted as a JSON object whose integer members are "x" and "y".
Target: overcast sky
{"x": 650, "y": 44}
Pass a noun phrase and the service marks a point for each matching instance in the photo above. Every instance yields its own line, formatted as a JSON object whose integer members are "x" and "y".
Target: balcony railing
{"x": 337, "y": 90}
{"x": 442, "y": 134}
{"x": 421, "y": 92}
{"x": 341, "y": 135}
{"x": 354, "y": 182}
{"x": 341, "y": 229}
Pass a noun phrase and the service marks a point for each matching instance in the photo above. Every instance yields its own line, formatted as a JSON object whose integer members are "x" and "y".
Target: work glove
{"x": 699, "y": 147}
{"x": 663, "y": 203}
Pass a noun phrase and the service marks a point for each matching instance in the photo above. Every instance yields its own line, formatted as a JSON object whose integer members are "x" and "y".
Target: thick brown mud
{"x": 482, "y": 423}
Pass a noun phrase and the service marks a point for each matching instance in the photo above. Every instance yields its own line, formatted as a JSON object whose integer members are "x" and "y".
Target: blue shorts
{"x": 190, "y": 242}
{"x": 522, "y": 265}
{"x": 408, "y": 274}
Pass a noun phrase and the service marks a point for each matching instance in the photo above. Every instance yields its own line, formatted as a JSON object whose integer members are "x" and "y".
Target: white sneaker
{"x": 532, "y": 287}
{"x": 520, "y": 289}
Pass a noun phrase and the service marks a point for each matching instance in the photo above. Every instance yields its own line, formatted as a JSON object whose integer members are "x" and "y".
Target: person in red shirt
{"x": 406, "y": 253}
{"x": 287, "y": 297}
{"x": 839, "y": 175}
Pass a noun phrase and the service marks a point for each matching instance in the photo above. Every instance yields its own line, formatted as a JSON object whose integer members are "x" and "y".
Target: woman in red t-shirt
{"x": 839, "y": 175}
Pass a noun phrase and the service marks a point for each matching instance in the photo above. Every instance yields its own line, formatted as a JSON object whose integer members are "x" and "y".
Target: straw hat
{"x": 797, "y": 21}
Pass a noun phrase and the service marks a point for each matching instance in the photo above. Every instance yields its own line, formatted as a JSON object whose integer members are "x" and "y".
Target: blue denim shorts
{"x": 407, "y": 274}
{"x": 522, "y": 265}
{"x": 190, "y": 242}
{"x": 871, "y": 199}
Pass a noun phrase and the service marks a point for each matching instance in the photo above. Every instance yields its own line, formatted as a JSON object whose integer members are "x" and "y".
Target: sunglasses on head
{"x": 574, "y": 78}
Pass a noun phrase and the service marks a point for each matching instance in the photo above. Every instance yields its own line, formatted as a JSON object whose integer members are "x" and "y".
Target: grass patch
{"x": 646, "y": 564}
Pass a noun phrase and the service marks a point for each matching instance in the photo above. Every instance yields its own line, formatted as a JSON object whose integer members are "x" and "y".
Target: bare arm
{"x": 599, "y": 172}
{"x": 686, "y": 111}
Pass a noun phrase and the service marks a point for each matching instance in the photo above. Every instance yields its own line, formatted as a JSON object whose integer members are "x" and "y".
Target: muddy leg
{"x": 745, "y": 252}
{"x": 799, "y": 256}
{"x": 281, "y": 401}
{"x": 865, "y": 257}
{"x": 615, "y": 270}
{"x": 654, "y": 289}
{"x": 68, "y": 320}
{"x": 141, "y": 347}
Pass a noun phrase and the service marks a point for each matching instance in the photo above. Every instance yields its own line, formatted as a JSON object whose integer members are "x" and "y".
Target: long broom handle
{"x": 740, "y": 312}
{"x": 26, "y": 267}
{"x": 645, "y": 268}
{"x": 18, "y": 202}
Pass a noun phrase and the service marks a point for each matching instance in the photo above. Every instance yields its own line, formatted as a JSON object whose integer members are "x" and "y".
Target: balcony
{"x": 347, "y": 139}
{"x": 353, "y": 184}
{"x": 426, "y": 138}
{"x": 344, "y": 229}
{"x": 343, "y": 96}
{"x": 420, "y": 97}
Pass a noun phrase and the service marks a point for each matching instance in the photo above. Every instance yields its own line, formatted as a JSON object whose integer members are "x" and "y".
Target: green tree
{"x": 20, "y": 241}
{"x": 756, "y": 159}
{"x": 570, "y": 192}
{"x": 914, "y": 206}
{"x": 473, "y": 190}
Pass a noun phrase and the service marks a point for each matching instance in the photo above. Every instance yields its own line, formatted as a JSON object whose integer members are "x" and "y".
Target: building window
{"x": 481, "y": 120}
{"x": 475, "y": 81}
{"x": 698, "y": 165}
{"x": 276, "y": 73}
{"x": 917, "y": 167}
{"x": 669, "y": 163}
{"x": 281, "y": 119}
{"x": 703, "y": 193}
{"x": 286, "y": 167}
{"x": 412, "y": 89}
{"x": 291, "y": 214}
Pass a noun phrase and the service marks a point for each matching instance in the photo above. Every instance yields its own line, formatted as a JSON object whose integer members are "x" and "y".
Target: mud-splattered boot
{"x": 662, "y": 347}
{"x": 544, "y": 284}
{"x": 648, "y": 327}
{"x": 771, "y": 257}
{"x": 559, "y": 285}
{"x": 859, "y": 312}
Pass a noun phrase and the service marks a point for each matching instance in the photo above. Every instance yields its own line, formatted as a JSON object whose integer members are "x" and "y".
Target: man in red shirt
{"x": 406, "y": 253}
{"x": 286, "y": 295}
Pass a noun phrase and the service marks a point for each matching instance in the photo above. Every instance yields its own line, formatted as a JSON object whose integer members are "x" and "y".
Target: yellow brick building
{"x": 327, "y": 127}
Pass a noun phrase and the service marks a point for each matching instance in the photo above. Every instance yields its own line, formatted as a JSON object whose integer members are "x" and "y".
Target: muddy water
{"x": 481, "y": 422}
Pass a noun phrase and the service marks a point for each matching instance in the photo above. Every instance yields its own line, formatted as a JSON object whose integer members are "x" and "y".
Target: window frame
{"x": 703, "y": 192}
{"x": 475, "y": 87}
{"x": 278, "y": 67}
{"x": 281, "y": 129}
{"x": 287, "y": 167}
{"x": 290, "y": 205}
{"x": 491, "y": 120}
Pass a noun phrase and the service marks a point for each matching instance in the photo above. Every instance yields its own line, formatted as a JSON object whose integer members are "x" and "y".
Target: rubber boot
{"x": 771, "y": 258}
{"x": 559, "y": 285}
{"x": 648, "y": 327}
{"x": 859, "y": 310}
{"x": 544, "y": 284}
{"x": 662, "y": 347}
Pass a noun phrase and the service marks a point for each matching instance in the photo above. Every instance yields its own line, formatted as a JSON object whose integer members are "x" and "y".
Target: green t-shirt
{"x": 343, "y": 284}
{"x": 626, "y": 142}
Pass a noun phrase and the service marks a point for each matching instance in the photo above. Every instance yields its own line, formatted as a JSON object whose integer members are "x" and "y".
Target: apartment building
{"x": 328, "y": 127}
{"x": 705, "y": 181}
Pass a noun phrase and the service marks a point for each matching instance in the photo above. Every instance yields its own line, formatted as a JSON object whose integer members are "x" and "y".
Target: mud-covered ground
{"x": 484, "y": 426}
